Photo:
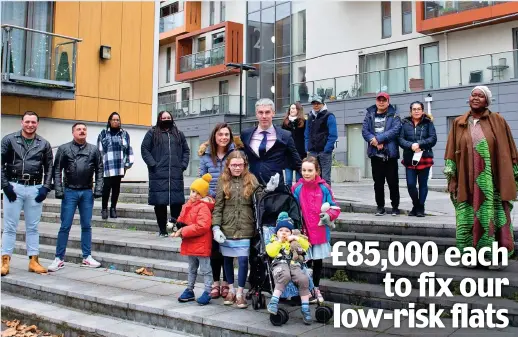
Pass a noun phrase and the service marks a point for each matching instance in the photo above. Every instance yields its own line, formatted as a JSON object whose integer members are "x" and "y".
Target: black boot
{"x": 104, "y": 213}
{"x": 420, "y": 211}
{"x": 113, "y": 212}
{"x": 413, "y": 212}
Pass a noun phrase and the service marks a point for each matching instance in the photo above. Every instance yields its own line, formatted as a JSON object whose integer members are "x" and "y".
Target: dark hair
{"x": 76, "y": 124}
{"x": 300, "y": 115}
{"x": 417, "y": 102}
{"x": 31, "y": 113}
{"x": 110, "y": 118}
{"x": 212, "y": 140}
{"x": 156, "y": 131}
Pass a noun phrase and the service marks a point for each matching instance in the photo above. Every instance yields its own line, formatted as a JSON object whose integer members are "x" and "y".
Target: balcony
{"x": 208, "y": 106}
{"x": 225, "y": 43}
{"x": 488, "y": 68}
{"x": 186, "y": 20}
{"x": 437, "y": 16}
{"x": 38, "y": 64}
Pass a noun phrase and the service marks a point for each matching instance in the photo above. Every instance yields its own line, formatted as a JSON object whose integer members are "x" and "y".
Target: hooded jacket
{"x": 389, "y": 138}
{"x": 197, "y": 235}
{"x": 423, "y": 134}
{"x": 311, "y": 195}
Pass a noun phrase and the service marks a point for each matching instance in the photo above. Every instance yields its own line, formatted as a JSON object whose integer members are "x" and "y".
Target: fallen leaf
{"x": 9, "y": 332}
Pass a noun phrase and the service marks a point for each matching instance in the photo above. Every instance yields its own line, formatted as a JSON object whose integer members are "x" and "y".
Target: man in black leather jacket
{"x": 80, "y": 161}
{"x": 26, "y": 181}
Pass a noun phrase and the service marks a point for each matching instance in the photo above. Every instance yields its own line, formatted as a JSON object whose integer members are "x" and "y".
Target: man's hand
{"x": 59, "y": 195}
{"x": 10, "y": 193}
{"x": 374, "y": 142}
{"x": 42, "y": 194}
{"x": 415, "y": 147}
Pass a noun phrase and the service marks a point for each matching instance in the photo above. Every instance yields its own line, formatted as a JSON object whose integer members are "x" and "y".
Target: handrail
{"x": 201, "y": 52}
{"x": 42, "y": 32}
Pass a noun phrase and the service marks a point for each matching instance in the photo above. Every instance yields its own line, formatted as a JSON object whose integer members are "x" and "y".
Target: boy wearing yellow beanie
{"x": 195, "y": 221}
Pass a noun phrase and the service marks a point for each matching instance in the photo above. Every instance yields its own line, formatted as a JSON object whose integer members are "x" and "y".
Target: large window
{"x": 406, "y": 10}
{"x": 222, "y": 11}
{"x": 386, "y": 19}
{"x": 168, "y": 66}
{"x": 385, "y": 71}
{"x": 276, "y": 32}
{"x": 430, "y": 65}
{"x": 30, "y": 52}
{"x": 211, "y": 15}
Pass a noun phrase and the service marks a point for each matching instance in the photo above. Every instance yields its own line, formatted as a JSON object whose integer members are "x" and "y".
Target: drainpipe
{"x": 446, "y": 58}
{"x": 428, "y": 101}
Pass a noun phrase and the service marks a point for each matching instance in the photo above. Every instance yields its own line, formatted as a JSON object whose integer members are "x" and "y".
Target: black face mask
{"x": 166, "y": 124}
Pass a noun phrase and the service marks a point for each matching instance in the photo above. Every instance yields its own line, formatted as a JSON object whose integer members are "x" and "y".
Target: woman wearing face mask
{"x": 166, "y": 154}
{"x": 417, "y": 138}
{"x": 114, "y": 145}
{"x": 481, "y": 169}
{"x": 295, "y": 122}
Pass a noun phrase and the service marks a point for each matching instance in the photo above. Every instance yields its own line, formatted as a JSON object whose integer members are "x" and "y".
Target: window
{"x": 386, "y": 21}
{"x": 218, "y": 39}
{"x": 222, "y": 11}
{"x": 450, "y": 119}
{"x": 168, "y": 66}
{"x": 169, "y": 9}
{"x": 211, "y": 18}
{"x": 185, "y": 98}
{"x": 515, "y": 44}
{"x": 223, "y": 99}
{"x": 194, "y": 163}
{"x": 201, "y": 44}
{"x": 406, "y": 10}
{"x": 430, "y": 67}
{"x": 385, "y": 71}
{"x": 167, "y": 101}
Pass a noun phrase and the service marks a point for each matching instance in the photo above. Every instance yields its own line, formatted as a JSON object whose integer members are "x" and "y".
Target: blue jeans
{"x": 25, "y": 195}
{"x": 412, "y": 176}
{"x": 289, "y": 176}
{"x": 325, "y": 160}
{"x": 242, "y": 272}
{"x": 84, "y": 200}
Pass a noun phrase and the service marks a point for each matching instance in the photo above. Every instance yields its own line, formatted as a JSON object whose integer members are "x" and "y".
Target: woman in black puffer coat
{"x": 295, "y": 122}
{"x": 417, "y": 135}
{"x": 166, "y": 154}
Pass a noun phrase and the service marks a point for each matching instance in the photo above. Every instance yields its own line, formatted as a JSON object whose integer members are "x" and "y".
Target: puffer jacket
{"x": 197, "y": 235}
{"x": 208, "y": 166}
{"x": 235, "y": 215}
{"x": 423, "y": 134}
{"x": 389, "y": 138}
{"x": 311, "y": 195}
{"x": 80, "y": 163}
{"x": 18, "y": 159}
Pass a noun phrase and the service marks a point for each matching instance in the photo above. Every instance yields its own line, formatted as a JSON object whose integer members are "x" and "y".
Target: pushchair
{"x": 267, "y": 208}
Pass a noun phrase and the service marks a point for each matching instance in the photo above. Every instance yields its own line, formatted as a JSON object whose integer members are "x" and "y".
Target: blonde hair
{"x": 250, "y": 182}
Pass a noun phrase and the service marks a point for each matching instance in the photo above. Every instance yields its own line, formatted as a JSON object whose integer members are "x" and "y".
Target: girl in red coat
{"x": 195, "y": 222}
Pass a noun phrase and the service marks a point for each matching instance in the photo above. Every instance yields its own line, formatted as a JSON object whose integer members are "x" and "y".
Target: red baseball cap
{"x": 383, "y": 94}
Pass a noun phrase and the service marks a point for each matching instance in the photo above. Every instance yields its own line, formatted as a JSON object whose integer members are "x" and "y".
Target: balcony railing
{"x": 38, "y": 58}
{"x": 217, "y": 105}
{"x": 434, "y": 9}
{"x": 204, "y": 59}
{"x": 486, "y": 68}
{"x": 171, "y": 22}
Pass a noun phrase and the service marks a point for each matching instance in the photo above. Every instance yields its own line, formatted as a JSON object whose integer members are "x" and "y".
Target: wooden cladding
{"x": 233, "y": 52}
{"x": 463, "y": 18}
{"x": 191, "y": 19}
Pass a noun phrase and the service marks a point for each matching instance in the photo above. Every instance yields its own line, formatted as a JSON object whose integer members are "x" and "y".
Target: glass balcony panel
{"x": 171, "y": 22}
{"x": 325, "y": 88}
{"x": 302, "y": 91}
{"x": 347, "y": 86}
{"x": 503, "y": 66}
{"x": 223, "y": 104}
{"x": 434, "y": 9}
{"x": 204, "y": 59}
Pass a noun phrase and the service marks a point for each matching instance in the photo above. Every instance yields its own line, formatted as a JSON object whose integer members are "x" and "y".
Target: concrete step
{"x": 60, "y": 319}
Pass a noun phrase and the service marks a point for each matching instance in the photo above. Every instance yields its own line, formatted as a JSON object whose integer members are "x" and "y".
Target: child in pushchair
{"x": 262, "y": 278}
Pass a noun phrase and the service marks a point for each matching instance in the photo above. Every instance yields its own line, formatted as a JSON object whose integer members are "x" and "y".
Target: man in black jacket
{"x": 80, "y": 161}
{"x": 26, "y": 181}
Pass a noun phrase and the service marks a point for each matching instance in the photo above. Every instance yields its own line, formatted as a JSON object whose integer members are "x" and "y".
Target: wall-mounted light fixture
{"x": 105, "y": 52}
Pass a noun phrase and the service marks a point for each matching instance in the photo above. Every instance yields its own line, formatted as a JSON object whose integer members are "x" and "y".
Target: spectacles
{"x": 417, "y": 109}
{"x": 235, "y": 166}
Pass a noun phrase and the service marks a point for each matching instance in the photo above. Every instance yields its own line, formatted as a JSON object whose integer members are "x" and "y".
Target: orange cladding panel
{"x": 41, "y": 106}
{"x": 146, "y": 52}
{"x": 130, "y": 52}
{"x": 129, "y": 112}
{"x": 106, "y": 107}
{"x": 111, "y": 31}
{"x": 144, "y": 114}
{"x": 86, "y": 108}
{"x": 64, "y": 109}
{"x": 10, "y": 105}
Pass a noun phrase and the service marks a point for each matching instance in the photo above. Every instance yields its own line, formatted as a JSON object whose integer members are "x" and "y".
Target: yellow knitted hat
{"x": 201, "y": 185}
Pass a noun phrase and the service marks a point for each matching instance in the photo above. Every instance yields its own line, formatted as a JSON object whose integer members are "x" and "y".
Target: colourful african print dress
{"x": 485, "y": 218}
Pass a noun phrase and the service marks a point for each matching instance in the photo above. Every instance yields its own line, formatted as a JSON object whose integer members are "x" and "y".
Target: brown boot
{"x": 35, "y": 266}
{"x": 5, "y": 264}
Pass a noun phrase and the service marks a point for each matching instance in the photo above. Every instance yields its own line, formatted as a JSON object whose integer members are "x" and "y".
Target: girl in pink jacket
{"x": 312, "y": 193}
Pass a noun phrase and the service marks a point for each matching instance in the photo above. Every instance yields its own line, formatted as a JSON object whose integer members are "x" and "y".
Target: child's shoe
{"x": 318, "y": 295}
{"x": 241, "y": 302}
{"x": 306, "y": 314}
{"x": 204, "y": 299}
{"x": 186, "y": 296}
{"x": 273, "y": 306}
{"x": 230, "y": 299}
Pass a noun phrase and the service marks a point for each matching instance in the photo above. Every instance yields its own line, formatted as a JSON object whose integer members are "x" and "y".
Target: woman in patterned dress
{"x": 481, "y": 169}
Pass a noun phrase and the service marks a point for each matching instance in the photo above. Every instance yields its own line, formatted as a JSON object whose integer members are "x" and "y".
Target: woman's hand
{"x": 415, "y": 147}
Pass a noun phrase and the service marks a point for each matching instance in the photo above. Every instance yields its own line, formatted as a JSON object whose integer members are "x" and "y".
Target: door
{"x": 356, "y": 150}
{"x": 223, "y": 98}
{"x": 430, "y": 65}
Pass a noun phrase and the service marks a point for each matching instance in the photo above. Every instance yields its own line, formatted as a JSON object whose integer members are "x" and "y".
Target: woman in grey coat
{"x": 166, "y": 154}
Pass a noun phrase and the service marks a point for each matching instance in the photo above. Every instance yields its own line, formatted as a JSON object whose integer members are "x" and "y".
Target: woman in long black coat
{"x": 166, "y": 154}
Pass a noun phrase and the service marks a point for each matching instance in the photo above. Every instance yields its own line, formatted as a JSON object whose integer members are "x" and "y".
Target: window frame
{"x": 168, "y": 65}
{"x": 386, "y": 35}
{"x": 403, "y": 31}
{"x": 222, "y": 11}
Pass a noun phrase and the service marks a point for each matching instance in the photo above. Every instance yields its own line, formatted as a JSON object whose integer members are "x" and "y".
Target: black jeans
{"x": 161, "y": 215}
{"x": 216, "y": 263}
{"x": 385, "y": 169}
{"x": 412, "y": 176}
{"x": 113, "y": 185}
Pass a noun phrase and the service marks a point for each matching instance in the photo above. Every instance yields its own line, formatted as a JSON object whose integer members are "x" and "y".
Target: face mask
{"x": 166, "y": 124}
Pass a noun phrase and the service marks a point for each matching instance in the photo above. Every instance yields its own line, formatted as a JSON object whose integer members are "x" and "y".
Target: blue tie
{"x": 262, "y": 146}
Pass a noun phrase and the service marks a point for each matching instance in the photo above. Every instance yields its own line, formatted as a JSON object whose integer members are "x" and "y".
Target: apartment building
{"x": 79, "y": 61}
{"x": 345, "y": 51}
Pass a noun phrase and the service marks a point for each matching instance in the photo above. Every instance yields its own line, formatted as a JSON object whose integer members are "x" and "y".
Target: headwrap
{"x": 486, "y": 92}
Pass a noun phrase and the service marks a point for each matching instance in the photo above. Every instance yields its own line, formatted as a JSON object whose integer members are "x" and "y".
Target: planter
{"x": 340, "y": 174}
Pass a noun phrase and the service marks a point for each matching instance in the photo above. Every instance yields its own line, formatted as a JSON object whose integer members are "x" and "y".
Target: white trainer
{"x": 56, "y": 265}
{"x": 90, "y": 262}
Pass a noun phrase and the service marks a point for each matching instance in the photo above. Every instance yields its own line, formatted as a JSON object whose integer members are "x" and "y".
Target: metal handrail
{"x": 203, "y": 52}
{"x": 42, "y": 32}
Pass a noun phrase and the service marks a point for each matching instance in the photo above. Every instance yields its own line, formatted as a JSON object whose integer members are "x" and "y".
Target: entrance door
{"x": 356, "y": 150}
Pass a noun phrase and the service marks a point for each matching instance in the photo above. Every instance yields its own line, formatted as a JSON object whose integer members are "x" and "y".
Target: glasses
{"x": 235, "y": 166}
{"x": 417, "y": 109}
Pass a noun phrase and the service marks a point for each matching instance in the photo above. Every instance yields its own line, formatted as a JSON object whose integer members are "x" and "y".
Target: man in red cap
{"x": 381, "y": 128}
